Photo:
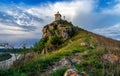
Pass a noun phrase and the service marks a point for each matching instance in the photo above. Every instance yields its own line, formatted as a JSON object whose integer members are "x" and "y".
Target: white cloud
{"x": 112, "y": 31}
{"x": 68, "y": 9}
{"x": 115, "y": 10}
{"x": 15, "y": 33}
{"x": 6, "y": 29}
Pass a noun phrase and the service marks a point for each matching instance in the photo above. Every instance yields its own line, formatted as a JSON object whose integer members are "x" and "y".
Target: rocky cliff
{"x": 60, "y": 28}
{"x": 57, "y": 32}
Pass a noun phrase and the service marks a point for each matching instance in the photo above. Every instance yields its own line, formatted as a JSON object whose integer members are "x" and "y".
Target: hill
{"x": 64, "y": 46}
{"x": 55, "y": 35}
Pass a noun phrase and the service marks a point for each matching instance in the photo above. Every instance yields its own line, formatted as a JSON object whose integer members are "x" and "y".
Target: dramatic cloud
{"x": 21, "y": 22}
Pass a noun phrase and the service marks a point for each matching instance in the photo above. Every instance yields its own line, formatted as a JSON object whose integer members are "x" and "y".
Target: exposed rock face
{"x": 60, "y": 28}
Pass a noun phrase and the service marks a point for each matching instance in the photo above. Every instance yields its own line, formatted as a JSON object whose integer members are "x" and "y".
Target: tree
{"x": 40, "y": 45}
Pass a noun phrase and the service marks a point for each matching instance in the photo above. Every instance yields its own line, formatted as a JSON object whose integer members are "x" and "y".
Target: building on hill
{"x": 57, "y": 32}
{"x": 57, "y": 16}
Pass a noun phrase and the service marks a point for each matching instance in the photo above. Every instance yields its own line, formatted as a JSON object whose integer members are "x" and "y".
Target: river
{"x": 7, "y": 63}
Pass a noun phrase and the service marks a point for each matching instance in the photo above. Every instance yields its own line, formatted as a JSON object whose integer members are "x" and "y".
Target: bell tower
{"x": 57, "y": 16}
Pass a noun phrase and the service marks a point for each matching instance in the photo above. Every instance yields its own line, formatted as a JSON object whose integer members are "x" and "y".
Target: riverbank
{"x": 7, "y": 63}
{"x": 4, "y": 56}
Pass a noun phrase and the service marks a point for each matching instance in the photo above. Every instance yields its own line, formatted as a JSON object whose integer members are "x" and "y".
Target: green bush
{"x": 55, "y": 40}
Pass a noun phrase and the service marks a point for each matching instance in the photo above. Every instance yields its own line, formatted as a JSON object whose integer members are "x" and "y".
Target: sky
{"x": 21, "y": 21}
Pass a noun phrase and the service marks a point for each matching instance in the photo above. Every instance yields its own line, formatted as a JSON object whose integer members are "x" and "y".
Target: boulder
{"x": 58, "y": 28}
{"x": 74, "y": 72}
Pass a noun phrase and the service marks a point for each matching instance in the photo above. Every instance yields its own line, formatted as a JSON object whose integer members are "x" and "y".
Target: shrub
{"x": 55, "y": 40}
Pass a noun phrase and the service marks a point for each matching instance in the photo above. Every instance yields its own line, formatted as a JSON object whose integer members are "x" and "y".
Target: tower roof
{"x": 58, "y": 13}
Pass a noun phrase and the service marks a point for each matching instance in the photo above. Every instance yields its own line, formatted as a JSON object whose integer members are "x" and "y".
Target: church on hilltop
{"x": 59, "y": 30}
{"x": 57, "y": 16}
{"x": 59, "y": 27}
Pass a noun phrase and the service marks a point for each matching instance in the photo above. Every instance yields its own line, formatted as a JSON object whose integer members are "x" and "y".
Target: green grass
{"x": 59, "y": 72}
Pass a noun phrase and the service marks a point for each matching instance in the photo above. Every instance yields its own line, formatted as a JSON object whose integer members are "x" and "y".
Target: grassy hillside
{"x": 90, "y": 49}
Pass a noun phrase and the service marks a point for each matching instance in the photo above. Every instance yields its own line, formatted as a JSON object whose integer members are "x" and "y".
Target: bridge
{"x": 6, "y": 45}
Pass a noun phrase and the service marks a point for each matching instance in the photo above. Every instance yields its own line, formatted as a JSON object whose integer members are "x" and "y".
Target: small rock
{"x": 76, "y": 60}
{"x": 64, "y": 62}
{"x": 92, "y": 46}
{"x": 83, "y": 44}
